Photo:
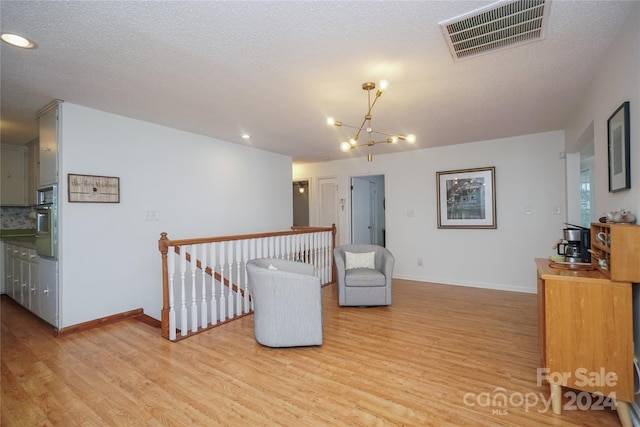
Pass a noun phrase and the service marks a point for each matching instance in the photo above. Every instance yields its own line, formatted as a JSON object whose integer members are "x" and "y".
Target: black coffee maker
{"x": 576, "y": 244}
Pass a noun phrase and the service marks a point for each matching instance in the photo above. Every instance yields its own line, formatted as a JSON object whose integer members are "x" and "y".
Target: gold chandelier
{"x": 366, "y": 125}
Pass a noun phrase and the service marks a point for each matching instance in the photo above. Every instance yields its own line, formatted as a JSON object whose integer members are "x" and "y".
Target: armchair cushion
{"x": 364, "y": 277}
{"x": 359, "y": 260}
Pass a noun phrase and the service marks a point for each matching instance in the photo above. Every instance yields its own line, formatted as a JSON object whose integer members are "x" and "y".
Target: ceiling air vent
{"x": 498, "y": 26}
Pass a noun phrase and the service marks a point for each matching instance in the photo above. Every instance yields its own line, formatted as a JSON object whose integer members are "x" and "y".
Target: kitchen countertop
{"x": 22, "y": 237}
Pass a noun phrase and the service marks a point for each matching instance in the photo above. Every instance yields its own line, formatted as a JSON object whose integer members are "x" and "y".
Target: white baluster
{"x": 270, "y": 247}
{"x": 214, "y": 301}
{"x": 184, "y": 327}
{"x": 172, "y": 310}
{"x": 194, "y": 304}
{"x": 259, "y": 248}
{"x": 223, "y": 300}
{"x": 287, "y": 246}
{"x": 305, "y": 247}
{"x": 314, "y": 249}
{"x": 328, "y": 256}
{"x": 245, "y": 258}
{"x": 276, "y": 246}
{"x": 203, "y": 304}
{"x": 253, "y": 253}
{"x": 230, "y": 294}
{"x": 238, "y": 284}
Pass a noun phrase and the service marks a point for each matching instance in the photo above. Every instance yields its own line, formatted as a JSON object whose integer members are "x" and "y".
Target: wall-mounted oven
{"x": 47, "y": 222}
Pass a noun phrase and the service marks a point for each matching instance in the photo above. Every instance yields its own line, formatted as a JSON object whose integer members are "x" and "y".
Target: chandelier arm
{"x": 370, "y": 143}
{"x": 384, "y": 133}
{"x": 352, "y": 127}
{"x": 360, "y": 129}
{"x": 372, "y": 105}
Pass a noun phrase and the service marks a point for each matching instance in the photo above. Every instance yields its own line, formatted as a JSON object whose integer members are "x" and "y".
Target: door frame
{"x": 380, "y": 212}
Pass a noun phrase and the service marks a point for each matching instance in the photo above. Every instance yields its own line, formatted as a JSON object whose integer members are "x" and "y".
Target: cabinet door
{"x": 49, "y": 291}
{"x": 7, "y": 268}
{"x": 49, "y": 147}
{"x": 25, "y": 297}
{"x": 34, "y": 286}
{"x": 588, "y": 330}
{"x": 13, "y": 181}
{"x": 16, "y": 277}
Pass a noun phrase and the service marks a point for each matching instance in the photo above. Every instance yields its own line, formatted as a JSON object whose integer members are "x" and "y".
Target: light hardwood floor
{"x": 438, "y": 356}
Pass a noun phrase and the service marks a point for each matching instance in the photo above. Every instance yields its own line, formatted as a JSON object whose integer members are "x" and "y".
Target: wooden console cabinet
{"x": 585, "y": 325}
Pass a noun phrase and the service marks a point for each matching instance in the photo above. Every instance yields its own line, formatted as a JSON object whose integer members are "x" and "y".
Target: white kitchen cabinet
{"x": 13, "y": 176}
{"x": 27, "y": 284}
{"x": 49, "y": 291}
{"x": 23, "y": 282}
{"x": 16, "y": 277}
{"x": 7, "y": 268}
{"x": 34, "y": 283}
{"x": 48, "y": 146}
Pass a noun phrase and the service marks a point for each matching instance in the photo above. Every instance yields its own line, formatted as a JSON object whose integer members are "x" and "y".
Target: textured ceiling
{"x": 277, "y": 70}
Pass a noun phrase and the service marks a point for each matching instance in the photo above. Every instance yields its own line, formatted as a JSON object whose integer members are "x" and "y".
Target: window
{"x": 585, "y": 197}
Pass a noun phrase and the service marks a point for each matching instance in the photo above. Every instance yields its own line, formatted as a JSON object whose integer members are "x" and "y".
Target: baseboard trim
{"x": 137, "y": 314}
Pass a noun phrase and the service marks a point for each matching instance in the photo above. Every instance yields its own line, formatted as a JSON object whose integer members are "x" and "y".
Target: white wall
{"x": 616, "y": 81}
{"x": 529, "y": 172}
{"x": 109, "y": 258}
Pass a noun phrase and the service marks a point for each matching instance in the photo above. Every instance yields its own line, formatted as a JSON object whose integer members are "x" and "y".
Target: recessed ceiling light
{"x": 16, "y": 40}
{"x": 246, "y": 136}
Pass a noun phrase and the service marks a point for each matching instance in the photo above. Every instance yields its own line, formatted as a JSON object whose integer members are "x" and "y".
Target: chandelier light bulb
{"x": 353, "y": 141}
{"x": 345, "y": 146}
{"x": 411, "y": 138}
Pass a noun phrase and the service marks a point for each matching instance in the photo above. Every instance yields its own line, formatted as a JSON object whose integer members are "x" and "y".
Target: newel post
{"x": 163, "y": 246}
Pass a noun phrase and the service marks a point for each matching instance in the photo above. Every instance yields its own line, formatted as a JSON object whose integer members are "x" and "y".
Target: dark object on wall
{"x": 619, "y": 144}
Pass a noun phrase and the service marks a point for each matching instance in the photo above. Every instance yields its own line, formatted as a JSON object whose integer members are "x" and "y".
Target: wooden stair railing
{"x": 204, "y": 280}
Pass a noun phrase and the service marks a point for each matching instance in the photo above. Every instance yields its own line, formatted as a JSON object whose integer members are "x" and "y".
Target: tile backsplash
{"x": 12, "y": 218}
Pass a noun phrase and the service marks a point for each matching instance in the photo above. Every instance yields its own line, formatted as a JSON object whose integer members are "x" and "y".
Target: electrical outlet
{"x": 152, "y": 216}
{"x": 420, "y": 261}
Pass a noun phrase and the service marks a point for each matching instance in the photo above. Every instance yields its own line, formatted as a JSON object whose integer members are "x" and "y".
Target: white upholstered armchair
{"x": 363, "y": 274}
{"x": 287, "y": 301}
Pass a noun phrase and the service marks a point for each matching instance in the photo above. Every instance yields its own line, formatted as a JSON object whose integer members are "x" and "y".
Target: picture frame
{"x": 93, "y": 188}
{"x": 618, "y": 146}
{"x": 467, "y": 198}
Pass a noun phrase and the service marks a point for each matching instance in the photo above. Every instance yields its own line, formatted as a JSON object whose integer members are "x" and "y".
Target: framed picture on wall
{"x": 467, "y": 198}
{"x": 619, "y": 143}
{"x": 93, "y": 189}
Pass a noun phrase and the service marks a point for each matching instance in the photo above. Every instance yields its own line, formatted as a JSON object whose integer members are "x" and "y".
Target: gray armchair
{"x": 287, "y": 303}
{"x": 364, "y": 286}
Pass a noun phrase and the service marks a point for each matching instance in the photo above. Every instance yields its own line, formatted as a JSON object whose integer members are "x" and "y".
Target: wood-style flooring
{"x": 439, "y": 356}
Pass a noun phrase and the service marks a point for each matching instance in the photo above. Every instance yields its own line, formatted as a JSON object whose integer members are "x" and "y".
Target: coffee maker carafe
{"x": 576, "y": 246}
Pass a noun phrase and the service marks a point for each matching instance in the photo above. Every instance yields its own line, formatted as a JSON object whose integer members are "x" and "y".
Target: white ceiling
{"x": 277, "y": 70}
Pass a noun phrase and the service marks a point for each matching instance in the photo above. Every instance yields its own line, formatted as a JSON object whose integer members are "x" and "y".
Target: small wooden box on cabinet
{"x": 618, "y": 245}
